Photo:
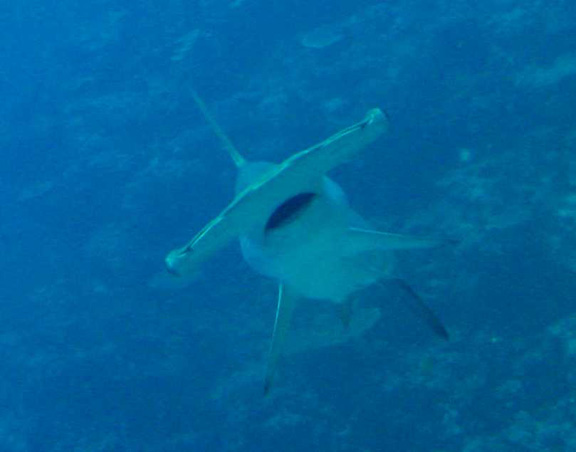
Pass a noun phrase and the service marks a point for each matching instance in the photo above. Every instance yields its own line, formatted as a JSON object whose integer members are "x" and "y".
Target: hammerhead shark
{"x": 295, "y": 226}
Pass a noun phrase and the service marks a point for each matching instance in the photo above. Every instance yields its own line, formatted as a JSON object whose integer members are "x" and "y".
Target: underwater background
{"x": 106, "y": 165}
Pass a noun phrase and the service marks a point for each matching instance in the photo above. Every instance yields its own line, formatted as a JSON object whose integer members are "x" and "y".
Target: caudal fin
{"x": 421, "y": 310}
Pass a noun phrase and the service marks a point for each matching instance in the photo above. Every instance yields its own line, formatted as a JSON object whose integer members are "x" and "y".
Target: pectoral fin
{"x": 286, "y": 302}
{"x": 366, "y": 240}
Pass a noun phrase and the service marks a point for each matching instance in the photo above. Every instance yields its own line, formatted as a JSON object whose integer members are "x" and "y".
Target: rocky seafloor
{"x": 109, "y": 166}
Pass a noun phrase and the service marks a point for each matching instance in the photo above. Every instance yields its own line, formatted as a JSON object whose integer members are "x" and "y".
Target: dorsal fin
{"x": 239, "y": 161}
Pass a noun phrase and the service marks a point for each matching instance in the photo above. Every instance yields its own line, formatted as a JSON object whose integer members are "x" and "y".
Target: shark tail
{"x": 419, "y": 308}
{"x": 238, "y": 159}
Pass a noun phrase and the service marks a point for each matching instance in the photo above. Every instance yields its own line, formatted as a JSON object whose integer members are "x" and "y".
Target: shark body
{"x": 295, "y": 225}
{"x": 313, "y": 250}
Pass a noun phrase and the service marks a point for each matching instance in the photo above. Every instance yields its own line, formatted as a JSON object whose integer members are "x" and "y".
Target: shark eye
{"x": 173, "y": 259}
{"x": 288, "y": 211}
{"x": 170, "y": 269}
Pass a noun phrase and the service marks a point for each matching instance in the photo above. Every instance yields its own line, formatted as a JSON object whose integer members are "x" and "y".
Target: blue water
{"x": 106, "y": 165}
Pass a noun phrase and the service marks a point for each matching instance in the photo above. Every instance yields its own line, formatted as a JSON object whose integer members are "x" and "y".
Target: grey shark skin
{"x": 295, "y": 225}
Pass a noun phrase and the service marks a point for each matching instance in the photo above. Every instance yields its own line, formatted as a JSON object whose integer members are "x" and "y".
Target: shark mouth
{"x": 289, "y": 211}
